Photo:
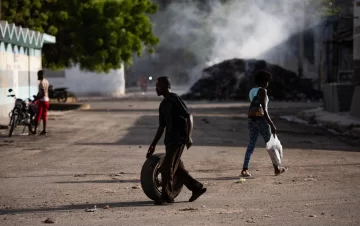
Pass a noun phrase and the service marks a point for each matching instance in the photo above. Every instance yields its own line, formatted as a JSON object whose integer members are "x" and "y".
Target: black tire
{"x": 150, "y": 182}
{"x": 13, "y": 123}
{"x": 62, "y": 97}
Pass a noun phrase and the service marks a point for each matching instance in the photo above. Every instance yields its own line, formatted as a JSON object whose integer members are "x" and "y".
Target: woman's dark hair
{"x": 165, "y": 80}
{"x": 262, "y": 76}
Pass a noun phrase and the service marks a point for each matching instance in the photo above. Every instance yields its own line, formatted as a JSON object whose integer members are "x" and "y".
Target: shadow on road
{"x": 76, "y": 207}
{"x": 99, "y": 181}
{"x": 222, "y": 129}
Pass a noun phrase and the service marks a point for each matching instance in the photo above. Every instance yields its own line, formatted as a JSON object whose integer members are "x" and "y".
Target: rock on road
{"x": 94, "y": 157}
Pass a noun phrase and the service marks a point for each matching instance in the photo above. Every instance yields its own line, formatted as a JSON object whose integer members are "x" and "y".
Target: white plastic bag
{"x": 274, "y": 149}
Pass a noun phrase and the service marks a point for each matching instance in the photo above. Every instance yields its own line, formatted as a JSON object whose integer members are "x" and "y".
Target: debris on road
{"x": 50, "y": 221}
{"x": 240, "y": 181}
{"x": 136, "y": 187}
{"x": 107, "y": 207}
{"x": 92, "y": 209}
{"x": 205, "y": 120}
{"x": 80, "y": 175}
{"x": 117, "y": 174}
{"x": 109, "y": 191}
{"x": 189, "y": 209}
{"x": 310, "y": 179}
{"x": 312, "y": 215}
{"x": 250, "y": 221}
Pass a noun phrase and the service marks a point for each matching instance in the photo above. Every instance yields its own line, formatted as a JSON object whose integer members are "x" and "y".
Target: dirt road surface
{"x": 94, "y": 157}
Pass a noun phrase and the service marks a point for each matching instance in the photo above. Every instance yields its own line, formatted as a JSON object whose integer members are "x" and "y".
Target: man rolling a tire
{"x": 175, "y": 117}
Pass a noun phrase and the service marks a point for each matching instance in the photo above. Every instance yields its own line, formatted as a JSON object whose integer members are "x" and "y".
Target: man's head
{"x": 262, "y": 78}
{"x": 40, "y": 75}
{"x": 163, "y": 85}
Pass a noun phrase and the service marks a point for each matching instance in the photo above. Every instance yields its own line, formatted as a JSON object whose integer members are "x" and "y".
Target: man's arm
{"x": 41, "y": 92}
{"x": 262, "y": 95}
{"x": 190, "y": 125}
{"x": 158, "y": 135}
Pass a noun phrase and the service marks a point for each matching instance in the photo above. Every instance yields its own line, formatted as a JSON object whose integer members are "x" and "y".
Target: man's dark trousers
{"x": 172, "y": 164}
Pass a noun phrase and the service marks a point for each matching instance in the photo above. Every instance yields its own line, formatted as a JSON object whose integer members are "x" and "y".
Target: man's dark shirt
{"x": 173, "y": 114}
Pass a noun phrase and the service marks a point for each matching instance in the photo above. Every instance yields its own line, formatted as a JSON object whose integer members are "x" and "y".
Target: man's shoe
{"x": 163, "y": 202}
{"x": 197, "y": 194}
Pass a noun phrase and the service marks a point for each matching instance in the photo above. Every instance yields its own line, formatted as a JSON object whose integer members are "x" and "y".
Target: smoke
{"x": 193, "y": 37}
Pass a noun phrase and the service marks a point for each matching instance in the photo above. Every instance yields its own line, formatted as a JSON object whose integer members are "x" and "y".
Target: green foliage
{"x": 325, "y": 7}
{"x": 98, "y": 35}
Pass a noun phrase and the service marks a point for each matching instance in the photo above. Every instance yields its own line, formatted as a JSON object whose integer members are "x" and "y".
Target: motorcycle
{"x": 60, "y": 94}
{"x": 150, "y": 177}
{"x": 23, "y": 113}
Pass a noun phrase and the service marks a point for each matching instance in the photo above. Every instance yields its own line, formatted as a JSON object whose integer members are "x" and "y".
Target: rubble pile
{"x": 232, "y": 80}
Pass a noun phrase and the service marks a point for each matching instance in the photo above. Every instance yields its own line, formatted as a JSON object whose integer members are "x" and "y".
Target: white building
{"x": 20, "y": 59}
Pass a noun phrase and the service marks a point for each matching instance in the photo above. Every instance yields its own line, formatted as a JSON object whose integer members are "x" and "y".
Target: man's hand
{"x": 189, "y": 142}
{"x": 150, "y": 151}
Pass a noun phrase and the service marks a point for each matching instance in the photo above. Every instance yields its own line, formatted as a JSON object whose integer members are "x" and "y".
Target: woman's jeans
{"x": 255, "y": 127}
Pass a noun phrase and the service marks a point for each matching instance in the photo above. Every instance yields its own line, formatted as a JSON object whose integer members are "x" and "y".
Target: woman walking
{"x": 261, "y": 122}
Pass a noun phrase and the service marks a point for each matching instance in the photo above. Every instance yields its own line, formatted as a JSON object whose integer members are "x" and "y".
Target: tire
{"x": 13, "y": 121}
{"x": 150, "y": 182}
{"x": 62, "y": 97}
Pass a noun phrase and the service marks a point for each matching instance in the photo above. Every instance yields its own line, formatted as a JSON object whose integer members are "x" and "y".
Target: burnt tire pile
{"x": 232, "y": 80}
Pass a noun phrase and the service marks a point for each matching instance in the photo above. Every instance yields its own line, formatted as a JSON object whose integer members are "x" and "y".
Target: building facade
{"x": 20, "y": 59}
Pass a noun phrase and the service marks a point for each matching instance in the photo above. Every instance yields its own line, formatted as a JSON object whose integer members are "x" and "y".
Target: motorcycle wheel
{"x": 14, "y": 119}
{"x": 62, "y": 97}
{"x": 151, "y": 178}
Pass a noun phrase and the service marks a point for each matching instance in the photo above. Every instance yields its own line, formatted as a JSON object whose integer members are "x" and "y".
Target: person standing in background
{"x": 43, "y": 103}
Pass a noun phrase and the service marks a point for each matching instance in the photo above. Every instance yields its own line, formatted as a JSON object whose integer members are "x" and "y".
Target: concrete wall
{"x": 338, "y": 97}
{"x": 355, "y": 107}
{"x": 356, "y": 77}
{"x": 89, "y": 83}
{"x": 18, "y": 70}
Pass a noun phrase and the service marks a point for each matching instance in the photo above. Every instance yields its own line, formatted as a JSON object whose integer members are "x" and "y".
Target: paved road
{"x": 95, "y": 157}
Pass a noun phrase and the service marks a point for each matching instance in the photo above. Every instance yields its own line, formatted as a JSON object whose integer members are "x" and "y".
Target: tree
{"x": 97, "y": 35}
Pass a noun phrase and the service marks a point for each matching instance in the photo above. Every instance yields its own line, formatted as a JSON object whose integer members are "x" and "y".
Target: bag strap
{"x": 257, "y": 94}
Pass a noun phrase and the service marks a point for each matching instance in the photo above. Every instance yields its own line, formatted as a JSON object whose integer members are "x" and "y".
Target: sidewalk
{"x": 340, "y": 122}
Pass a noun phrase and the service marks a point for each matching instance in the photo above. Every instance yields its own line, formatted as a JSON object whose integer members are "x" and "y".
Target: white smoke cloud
{"x": 236, "y": 29}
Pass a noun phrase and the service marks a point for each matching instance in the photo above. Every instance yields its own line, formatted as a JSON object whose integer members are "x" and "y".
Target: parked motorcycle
{"x": 23, "y": 113}
{"x": 60, "y": 94}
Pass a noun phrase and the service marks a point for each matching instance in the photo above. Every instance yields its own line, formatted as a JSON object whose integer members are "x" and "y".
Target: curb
{"x": 68, "y": 106}
{"x": 69, "y": 100}
{"x": 343, "y": 124}
{"x": 4, "y": 127}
